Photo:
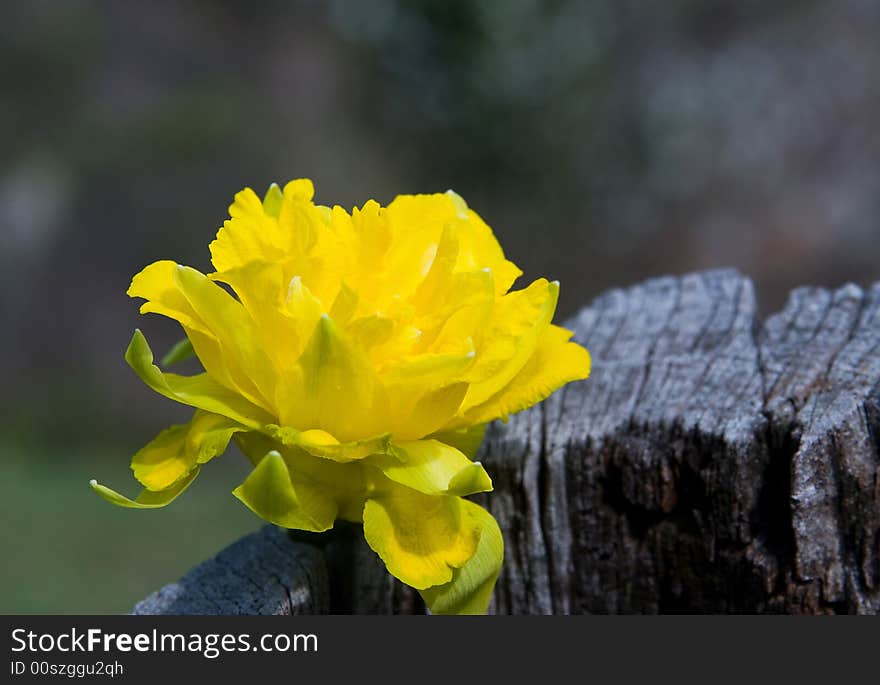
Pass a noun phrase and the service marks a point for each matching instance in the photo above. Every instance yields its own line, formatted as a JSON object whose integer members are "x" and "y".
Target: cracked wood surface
{"x": 263, "y": 573}
{"x": 711, "y": 463}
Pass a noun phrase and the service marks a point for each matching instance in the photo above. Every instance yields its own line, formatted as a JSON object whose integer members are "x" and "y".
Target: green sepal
{"x": 432, "y": 468}
{"x": 273, "y": 200}
{"x": 147, "y": 499}
{"x": 269, "y": 492}
{"x": 200, "y": 391}
{"x": 180, "y": 351}
{"x": 467, "y": 440}
{"x": 320, "y": 444}
{"x": 470, "y": 590}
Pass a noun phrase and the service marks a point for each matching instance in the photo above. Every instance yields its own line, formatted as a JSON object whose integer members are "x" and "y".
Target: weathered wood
{"x": 822, "y": 394}
{"x": 710, "y": 464}
{"x": 358, "y": 581}
{"x": 263, "y": 573}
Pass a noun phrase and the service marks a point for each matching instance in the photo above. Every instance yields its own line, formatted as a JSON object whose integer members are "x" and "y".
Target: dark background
{"x": 605, "y": 142}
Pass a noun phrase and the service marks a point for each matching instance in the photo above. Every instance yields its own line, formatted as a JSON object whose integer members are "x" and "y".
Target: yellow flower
{"x": 356, "y": 365}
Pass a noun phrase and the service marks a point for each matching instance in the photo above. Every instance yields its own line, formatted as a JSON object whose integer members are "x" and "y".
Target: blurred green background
{"x": 604, "y": 141}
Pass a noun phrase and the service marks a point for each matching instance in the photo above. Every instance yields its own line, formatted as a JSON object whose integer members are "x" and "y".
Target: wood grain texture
{"x": 710, "y": 463}
{"x": 263, "y": 573}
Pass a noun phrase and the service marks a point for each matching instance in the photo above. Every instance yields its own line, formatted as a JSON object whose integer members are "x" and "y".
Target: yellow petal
{"x": 335, "y": 388}
{"x": 486, "y": 252}
{"x": 470, "y": 590}
{"x": 164, "y": 460}
{"x": 431, "y": 411}
{"x": 421, "y": 538}
{"x": 345, "y": 305}
{"x": 209, "y": 435}
{"x": 284, "y": 312}
{"x": 147, "y": 499}
{"x": 433, "y": 468}
{"x": 461, "y": 315}
{"x": 302, "y": 307}
{"x": 246, "y": 204}
{"x": 176, "y": 451}
{"x": 372, "y": 232}
{"x": 478, "y": 248}
{"x": 249, "y": 234}
{"x": 312, "y": 250}
{"x": 297, "y": 217}
{"x": 301, "y": 189}
{"x": 234, "y": 329}
{"x": 422, "y": 393}
{"x": 160, "y": 284}
{"x": 554, "y": 363}
{"x": 438, "y": 278}
{"x": 155, "y": 283}
{"x": 518, "y": 320}
{"x": 199, "y": 391}
{"x": 320, "y": 443}
{"x": 368, "y": 332}
{"x": 431, "y": 369}
{"x": 414, "y": 238}
{"x": 466, "y": 439}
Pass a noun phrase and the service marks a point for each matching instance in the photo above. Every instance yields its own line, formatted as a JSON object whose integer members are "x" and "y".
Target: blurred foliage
{"x": 65, "y": 552}
{"x": 605, "y": 141}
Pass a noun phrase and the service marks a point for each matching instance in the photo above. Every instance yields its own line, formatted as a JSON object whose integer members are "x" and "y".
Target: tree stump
{"x": 710, "y": 463}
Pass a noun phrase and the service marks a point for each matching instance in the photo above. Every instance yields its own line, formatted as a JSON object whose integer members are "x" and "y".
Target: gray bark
{"x": 709, "y": 464}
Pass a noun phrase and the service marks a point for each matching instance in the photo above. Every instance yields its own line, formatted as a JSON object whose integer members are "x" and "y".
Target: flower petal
{"x": 164, "y": 460}
{"x": 470, "y": 590}
{"x": 478, "y": 247}
{"x": 334, "y": 387}
{"x": 468, "y": 305}
{"x": 467, "y": 439}
{"x": 344, "y": 305}
{"x": 199, "y": 391}
{"x": 234, "y": 329}
{"x": 433, "y": 468}
{"x": 481, "y": 243}
{"x": 160, "y": 284}
{"x": 554, "y": 363}
{"x": 155, "y": 283}
{"x": 518, "y": 320}
{"x": 432, "y": 410}
{"x": 272, "y": 495}
{"x": 421, "y": 538}
{"x": 176, "y": 451}
{"x": 148, "y": 499}
{"x": 437, "y": 281}
{"x": 284, "y": 312}
{"x": 250, "y": 233}
{"x": 345, "y": 483}
{"x": 320, "y": 443}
